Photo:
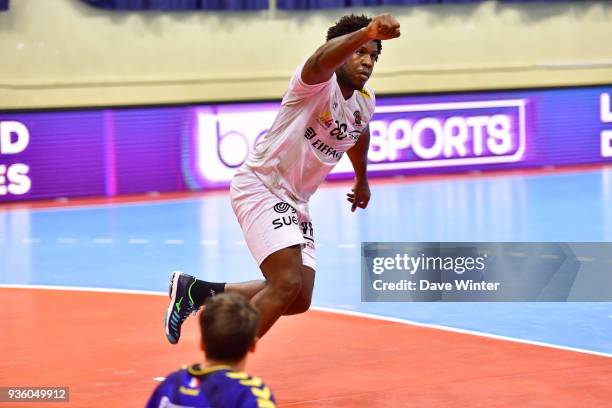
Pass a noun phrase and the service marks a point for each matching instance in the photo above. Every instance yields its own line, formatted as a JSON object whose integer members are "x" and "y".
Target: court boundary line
{"x": 328, "y": 310}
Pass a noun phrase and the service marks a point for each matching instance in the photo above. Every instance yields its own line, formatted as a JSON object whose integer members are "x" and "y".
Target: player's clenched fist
{"x": 383, "y": 27}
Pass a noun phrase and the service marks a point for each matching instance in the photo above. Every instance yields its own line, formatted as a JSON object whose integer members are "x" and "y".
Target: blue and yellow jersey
{"x": 214, "y": 387}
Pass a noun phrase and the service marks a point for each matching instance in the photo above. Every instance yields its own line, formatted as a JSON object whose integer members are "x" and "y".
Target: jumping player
{"x": 324, "y": 114}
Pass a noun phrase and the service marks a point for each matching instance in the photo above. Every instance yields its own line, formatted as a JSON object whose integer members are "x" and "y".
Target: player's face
{"x": 357, "y": 69}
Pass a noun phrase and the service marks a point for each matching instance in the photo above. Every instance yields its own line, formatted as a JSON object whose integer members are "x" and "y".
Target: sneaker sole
{"x": 172, "y": 295}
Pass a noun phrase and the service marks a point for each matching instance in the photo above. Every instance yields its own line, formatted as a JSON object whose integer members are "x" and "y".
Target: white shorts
{"x": 268, "y": 223}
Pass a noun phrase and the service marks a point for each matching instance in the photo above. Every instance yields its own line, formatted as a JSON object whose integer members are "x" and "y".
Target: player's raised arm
{"x": 324, "y": 62}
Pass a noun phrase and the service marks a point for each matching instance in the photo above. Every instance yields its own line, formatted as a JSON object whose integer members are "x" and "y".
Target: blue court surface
{"x": 135, "y": 246}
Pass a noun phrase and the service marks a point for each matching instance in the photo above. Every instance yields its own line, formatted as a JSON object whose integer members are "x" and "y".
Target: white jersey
{"x": 313, "y": 129}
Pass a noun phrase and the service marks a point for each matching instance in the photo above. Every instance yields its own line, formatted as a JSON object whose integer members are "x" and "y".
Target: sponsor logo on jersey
{"x": 310, "y": 133}
{"x": 282, "y": 207}
{"x": 307, "y": 230}
{"x": 326, "y": 119}
{"x": 327, "y": 149}
{"x": 193, "y": 392}
{"x": 289, "y": 219}
{"x": 354, "y": 134}
{"x": 340, "y": 132}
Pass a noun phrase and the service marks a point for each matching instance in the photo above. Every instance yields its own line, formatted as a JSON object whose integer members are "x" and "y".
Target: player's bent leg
{"x": 302, "y": 301}
{"x": 283, "y": 272}
{"x": 247, "y": 289}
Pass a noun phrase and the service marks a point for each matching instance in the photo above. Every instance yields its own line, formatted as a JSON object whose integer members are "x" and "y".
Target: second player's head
{"x": 356, "y": 71}
{"x": 229, "y": 325}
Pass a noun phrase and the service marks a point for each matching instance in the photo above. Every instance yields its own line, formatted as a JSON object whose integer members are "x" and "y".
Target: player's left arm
{"x": 358, "y": 154}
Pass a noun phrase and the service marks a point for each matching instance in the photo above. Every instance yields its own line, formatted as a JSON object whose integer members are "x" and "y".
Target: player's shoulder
{"x": 175, "y": 376}
{"x": 298, "y": 90}
{"x": 367, "y": 93}
{"x": 366, "y": 101}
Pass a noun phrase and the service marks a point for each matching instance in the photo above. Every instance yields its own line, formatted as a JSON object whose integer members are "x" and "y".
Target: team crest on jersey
{"x": 357, "y": 116}
{"x": 325, "y": 119}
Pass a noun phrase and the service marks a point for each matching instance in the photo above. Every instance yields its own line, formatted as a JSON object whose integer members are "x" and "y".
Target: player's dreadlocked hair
{"x": 349, "y": 24}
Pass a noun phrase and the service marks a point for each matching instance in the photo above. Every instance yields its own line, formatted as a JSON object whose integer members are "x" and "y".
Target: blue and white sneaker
{"x": 181, "y": 304}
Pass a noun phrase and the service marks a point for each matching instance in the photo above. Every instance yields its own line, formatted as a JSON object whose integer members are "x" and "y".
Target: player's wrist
{"x": 369, "y": 32}
{"x": 360, "y": 182}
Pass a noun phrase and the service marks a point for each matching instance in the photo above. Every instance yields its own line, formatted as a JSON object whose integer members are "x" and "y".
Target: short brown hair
{"x": 228, "y": 324}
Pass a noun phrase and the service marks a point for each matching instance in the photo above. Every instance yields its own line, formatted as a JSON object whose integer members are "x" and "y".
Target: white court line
{"x": 84, "y": 289}
{"x": 138, "y": 241}
{"x": 549, "y": 256}
{"x": 346, "y": 245}
{"x": 103, "y": 241}
{"x": 331, "y": 310}
{"x": 174, "y": 242}
{"x": 585, "y": 258}
{"x": 241, "y": 243}
{"x": 520, "y": 254}
{"x": 456, "y": 330}
{"x": 209, "y": 242}
{"x": 67, "y": 240}
{"x": 160, "y": 379}
{"x": 30, "y": 241}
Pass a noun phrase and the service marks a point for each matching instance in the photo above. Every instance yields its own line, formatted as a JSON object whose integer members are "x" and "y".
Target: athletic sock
{"x": 201, "y": 290}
